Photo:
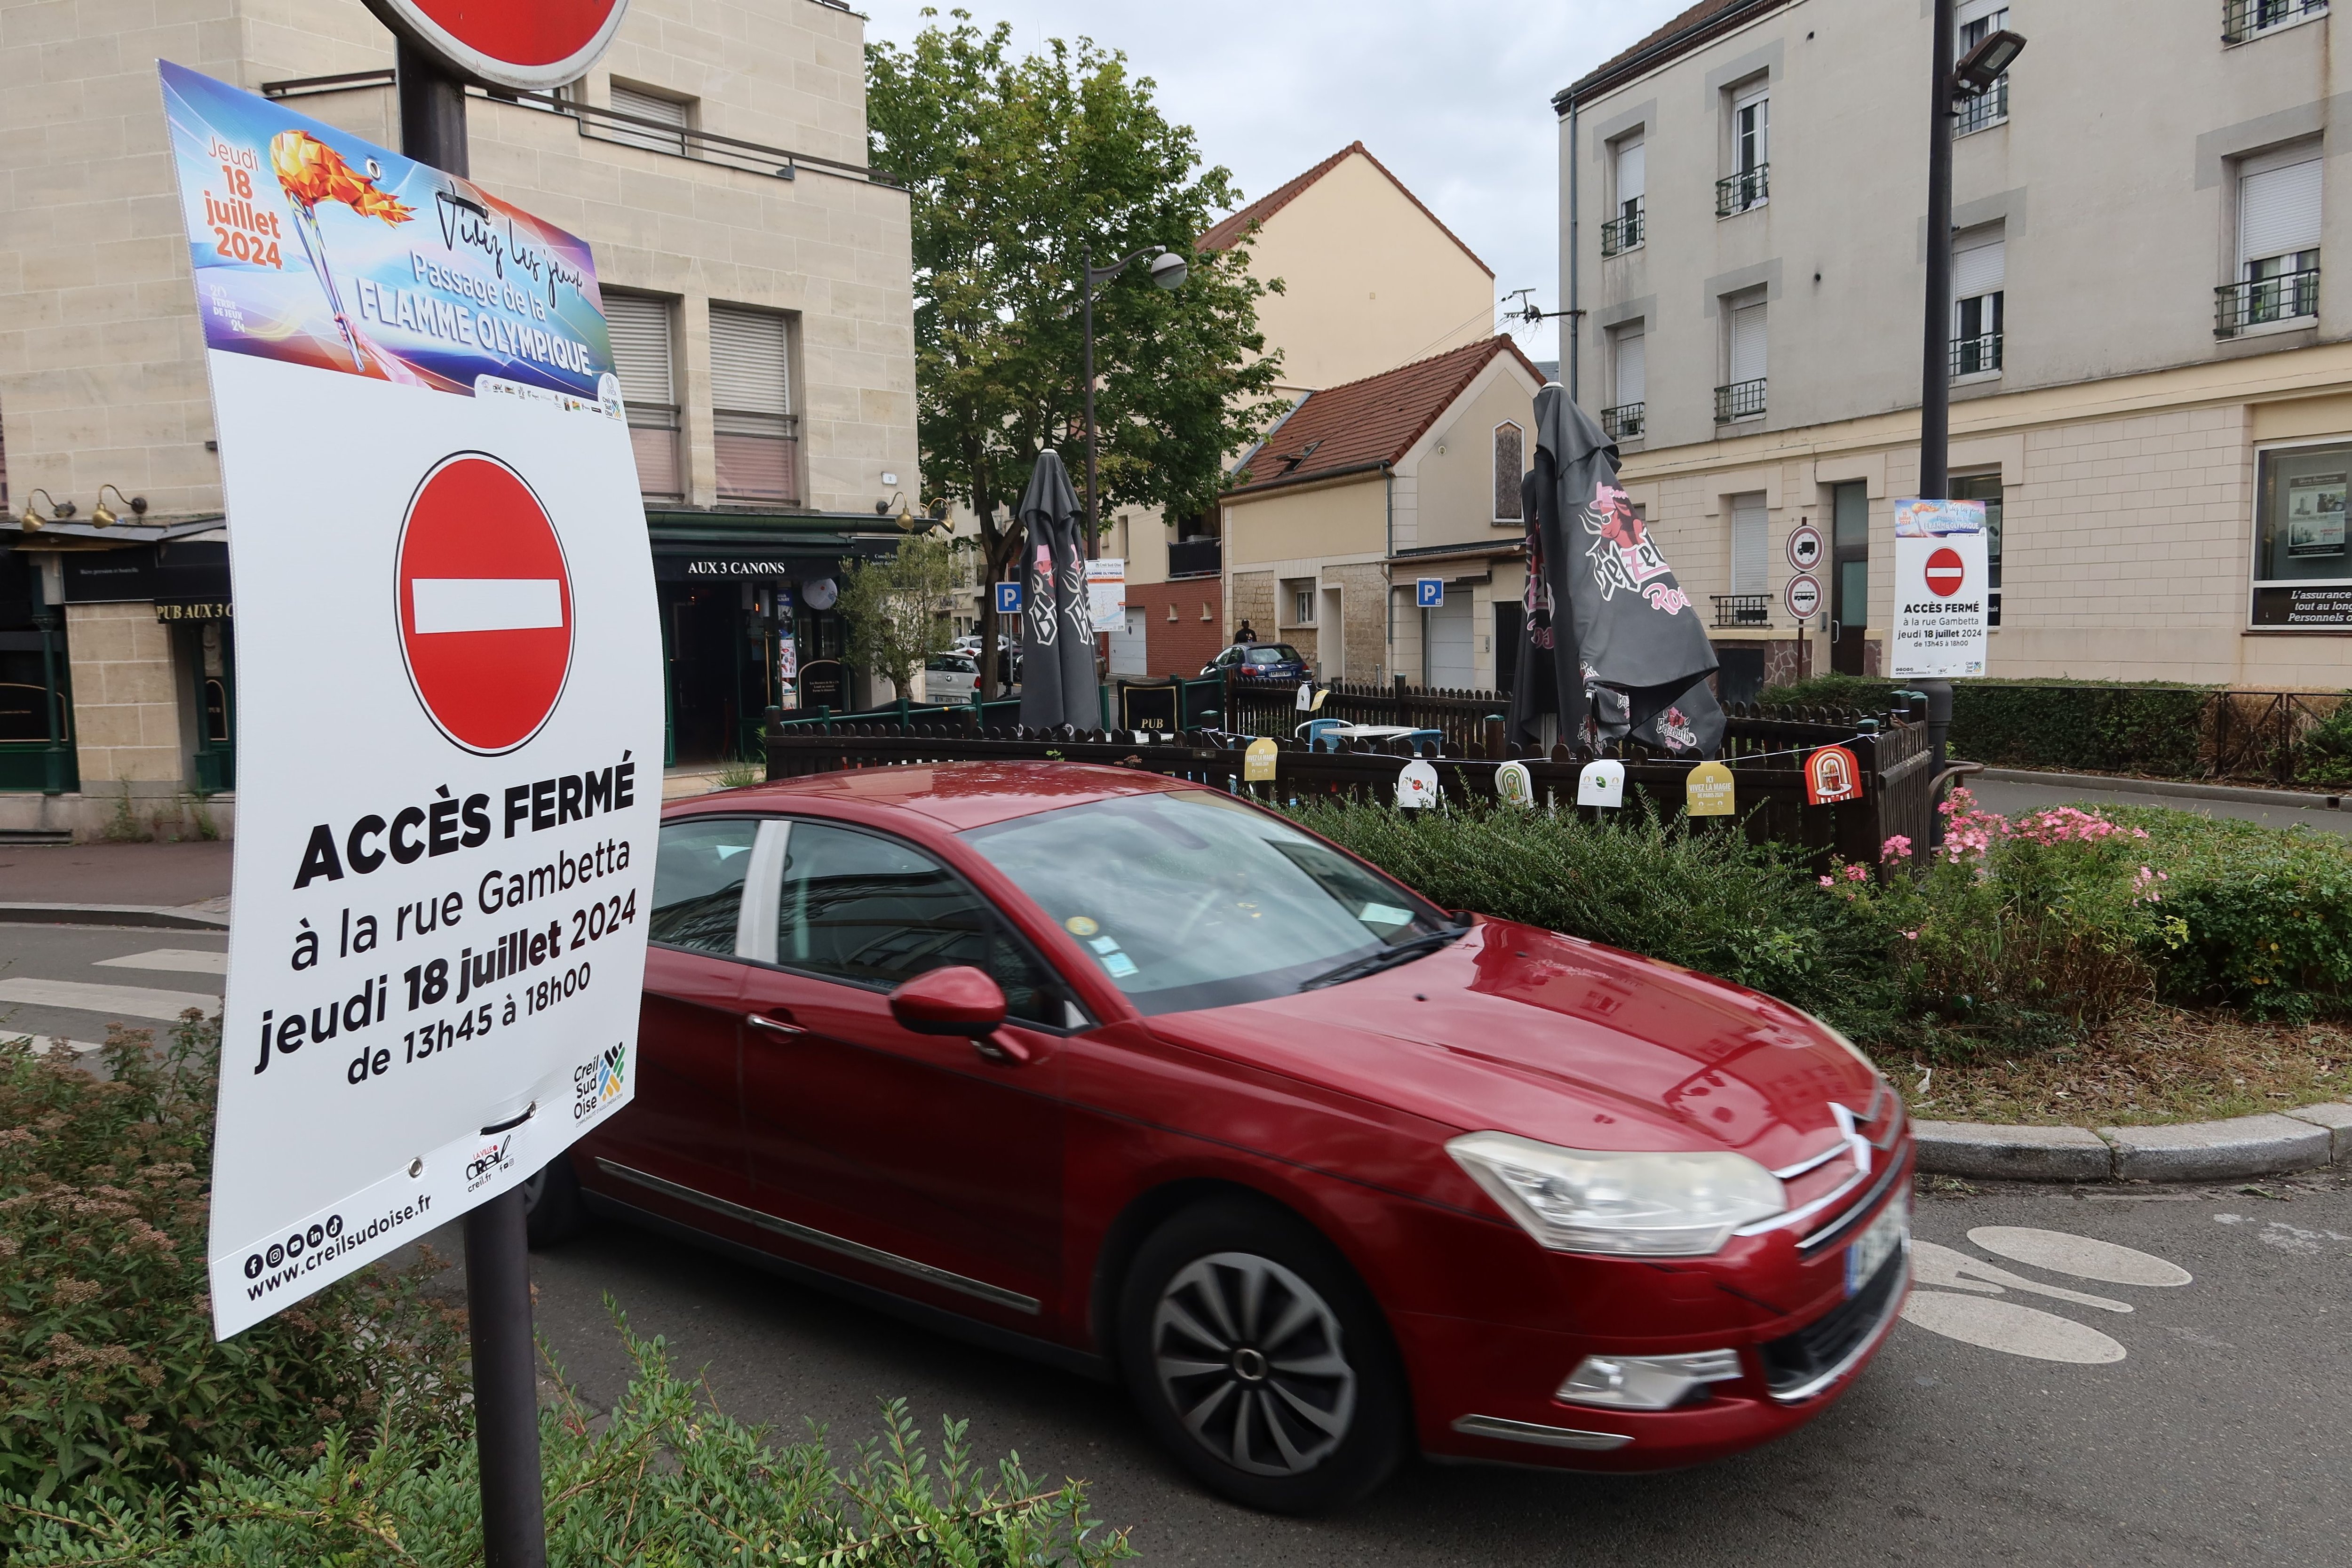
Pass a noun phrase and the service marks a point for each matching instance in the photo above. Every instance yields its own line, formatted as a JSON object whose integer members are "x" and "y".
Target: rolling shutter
{"x": 1632, "y": 367}
{"x": 2278, "y": 211}
{"x": 1978, "y": 269}
{"x": 1748, "y": 343}
{"x": 1749, "y": 556}
{"x": 1631, "y": 170}
{"x": 648, "y": 106}
{"x": 641, "y": 352}
{"x": 748, "y": 370}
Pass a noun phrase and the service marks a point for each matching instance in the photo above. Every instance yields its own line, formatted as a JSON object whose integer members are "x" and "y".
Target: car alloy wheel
{"x": 1253, "y": 1361}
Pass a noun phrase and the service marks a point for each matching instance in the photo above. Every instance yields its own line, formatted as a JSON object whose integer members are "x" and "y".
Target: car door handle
{"x": 1003, "y": 1050}
{"x": 775, "y": 1025}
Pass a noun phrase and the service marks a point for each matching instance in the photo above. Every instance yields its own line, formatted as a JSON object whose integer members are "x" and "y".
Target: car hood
{"x": 1517, "y": 1029}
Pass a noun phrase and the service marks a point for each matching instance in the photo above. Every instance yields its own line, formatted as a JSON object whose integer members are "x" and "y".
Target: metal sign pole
{"x": 497, "y": 1256}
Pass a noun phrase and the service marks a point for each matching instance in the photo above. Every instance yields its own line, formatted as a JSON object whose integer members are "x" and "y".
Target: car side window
{"x": 857, "y": 906}
{"x": 698, "y": 875}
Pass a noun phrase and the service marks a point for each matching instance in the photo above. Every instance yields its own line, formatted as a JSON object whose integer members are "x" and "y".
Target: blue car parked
{"x": 1260, "y": 661}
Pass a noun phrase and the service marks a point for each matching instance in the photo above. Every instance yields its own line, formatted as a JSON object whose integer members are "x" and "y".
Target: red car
{"x": 1136, "y": 1077}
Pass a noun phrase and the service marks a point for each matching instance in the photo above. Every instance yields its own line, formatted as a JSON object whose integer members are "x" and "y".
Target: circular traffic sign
{"x": 1803, "y": 594}
{"x": 534, "y": 45}
{"x": 1804, "y": 547}
{"x": 1946, "y": 572}
{"x": 484, "y": 601}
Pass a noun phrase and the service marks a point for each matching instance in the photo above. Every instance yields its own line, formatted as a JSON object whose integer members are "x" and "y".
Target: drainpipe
{"x": 1575, "y": 316}
{"x": 1387, "y": 575}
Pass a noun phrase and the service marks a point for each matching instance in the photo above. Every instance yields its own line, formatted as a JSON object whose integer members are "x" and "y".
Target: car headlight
{"x": 1638, "y": 1205}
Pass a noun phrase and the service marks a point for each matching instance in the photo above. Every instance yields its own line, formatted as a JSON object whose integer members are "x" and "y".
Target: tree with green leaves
{"x": 898, "y": 607}
{"x": 1020, "y": 169}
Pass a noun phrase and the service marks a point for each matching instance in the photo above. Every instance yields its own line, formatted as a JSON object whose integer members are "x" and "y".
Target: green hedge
{"x": 2155, "y": 728}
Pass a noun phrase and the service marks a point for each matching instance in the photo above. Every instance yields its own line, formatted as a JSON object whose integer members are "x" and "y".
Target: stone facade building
{"x": 2151, "y": 382}
{"x": 757, "y": 278}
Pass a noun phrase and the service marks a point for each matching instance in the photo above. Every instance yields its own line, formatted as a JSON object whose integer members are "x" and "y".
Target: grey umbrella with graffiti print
{"x": 1626, "y": 655}
{"x": 1058, "y": 635}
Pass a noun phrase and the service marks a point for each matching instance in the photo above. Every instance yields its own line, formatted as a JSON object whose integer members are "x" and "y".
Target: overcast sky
{"x": 1454, "y": 96}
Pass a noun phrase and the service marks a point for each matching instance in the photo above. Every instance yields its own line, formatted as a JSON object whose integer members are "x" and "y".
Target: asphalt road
{"x": 2038, "y": 1422}
{"x": 2010, "y": 798}
{"x": 2206, "y": 1425}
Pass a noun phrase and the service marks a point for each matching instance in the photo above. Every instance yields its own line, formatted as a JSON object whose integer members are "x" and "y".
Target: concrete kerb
{"x": 2265, "y": 1145}
{"x": 158, "y": 916}
{"x": 2310, "y": 801}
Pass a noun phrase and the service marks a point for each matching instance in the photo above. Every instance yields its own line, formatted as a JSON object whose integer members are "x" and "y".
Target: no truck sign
{"x": 449, "y": 753}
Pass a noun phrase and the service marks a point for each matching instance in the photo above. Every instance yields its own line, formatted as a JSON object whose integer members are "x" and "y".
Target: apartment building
{"x": 1371, "y": 281}
{"x": 758, "y": 284}
{"x": 2151, "y": 387}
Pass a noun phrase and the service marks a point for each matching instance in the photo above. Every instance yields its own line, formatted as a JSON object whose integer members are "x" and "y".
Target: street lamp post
{"x": 1168, "y": 269}
{"x": 1983, "y": 66}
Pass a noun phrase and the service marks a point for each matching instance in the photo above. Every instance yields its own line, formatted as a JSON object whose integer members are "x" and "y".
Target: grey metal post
{"x": 498, "y": 1254}
{"x": 1934, "y": 370}
{"x": 1086, "y": 308}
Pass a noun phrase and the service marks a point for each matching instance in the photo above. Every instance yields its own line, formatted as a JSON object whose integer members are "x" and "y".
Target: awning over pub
{"x": 754, "y": 547}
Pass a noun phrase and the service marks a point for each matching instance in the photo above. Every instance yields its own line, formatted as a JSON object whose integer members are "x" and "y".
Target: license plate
{"x": 1880, "y": 1242}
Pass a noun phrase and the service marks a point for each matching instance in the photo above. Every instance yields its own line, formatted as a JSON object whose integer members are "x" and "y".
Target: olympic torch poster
{"x": 448, "y": 674}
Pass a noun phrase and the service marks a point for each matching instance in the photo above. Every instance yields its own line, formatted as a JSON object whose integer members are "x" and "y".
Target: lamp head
{"x": 1982, "y": 66}
{"x": 1168, "y": 269}
{"x": 31, "y": 521}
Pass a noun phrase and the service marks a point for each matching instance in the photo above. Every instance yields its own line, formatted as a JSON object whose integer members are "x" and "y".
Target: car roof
{"x": 955, "y": 795}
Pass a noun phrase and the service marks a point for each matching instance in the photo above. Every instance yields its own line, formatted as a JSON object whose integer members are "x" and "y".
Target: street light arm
{"x": 1105, "y": 274}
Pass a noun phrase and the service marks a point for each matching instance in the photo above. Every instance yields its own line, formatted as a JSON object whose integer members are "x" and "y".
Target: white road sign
{"x": 1941, "y": 581}
{"x": 448, "y": 678}
{"x": 1107, "y": 593}
{"x": 1803, "y": 594}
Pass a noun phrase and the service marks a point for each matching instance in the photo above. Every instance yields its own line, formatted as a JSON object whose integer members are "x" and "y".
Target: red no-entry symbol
{"x": 1945, "y": 573}
{"x": 485, "y": 603}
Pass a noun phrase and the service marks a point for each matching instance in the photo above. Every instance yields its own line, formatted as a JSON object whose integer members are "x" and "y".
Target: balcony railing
{"x": 1740, "y": 400}
{"x": 1737, "y": 192}
{"x": 1989, "y": 107}
{"x": 1624, "y": 421}
{"x": 1742, "y": 609}
{"x": 2287, "y": 297}
{"x": 1975, "y": 356}
{"x": 1201, "y": 557}
{"x": 2244, "y": 19}
{"x": 1620, "y": 234}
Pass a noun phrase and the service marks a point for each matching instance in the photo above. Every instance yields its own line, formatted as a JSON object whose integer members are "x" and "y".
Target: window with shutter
{"x": 1979, "y": 258}
{"x": 1749, "y": 539}
{"x": 1633, "y": 366}
{"x": 1752, "y": 132}
{"x": 667, "y": 112}
{"x": 1742, "y": 395}
{"x": 2278, "y": 210}
{"x": 1510, "y": 449}
{"x": 751, "y": 406}
{"x": 1624, "y": 232}
{"x": 1748, "y": 342}
{"x": 639, "y": 326}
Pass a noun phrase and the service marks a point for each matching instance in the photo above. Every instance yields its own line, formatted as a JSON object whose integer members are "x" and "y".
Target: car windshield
{"x": 1191, "y": 899}
{"x": 1276, "y": 652}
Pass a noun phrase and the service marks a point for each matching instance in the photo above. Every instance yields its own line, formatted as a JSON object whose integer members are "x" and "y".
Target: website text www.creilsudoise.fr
{"x": 320, "y": 1245}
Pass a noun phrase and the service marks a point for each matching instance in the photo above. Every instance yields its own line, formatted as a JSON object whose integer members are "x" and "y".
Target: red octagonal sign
{"x": 485, "y": 603}
{"x": 1945, "y": 573}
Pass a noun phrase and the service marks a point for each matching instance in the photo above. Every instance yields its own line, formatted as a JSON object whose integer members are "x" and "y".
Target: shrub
{"x": 2265, "y": 913}
{"x": 2102, "y": 727}
{"x": 1703, "y": 897}
{"x": 2324, "y": 753}
{"x": 109, "y": 1377}
{"x": 664, "y": 1479}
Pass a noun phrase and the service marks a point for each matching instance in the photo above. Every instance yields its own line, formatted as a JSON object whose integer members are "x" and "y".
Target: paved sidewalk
{"x": 157, "y": 875}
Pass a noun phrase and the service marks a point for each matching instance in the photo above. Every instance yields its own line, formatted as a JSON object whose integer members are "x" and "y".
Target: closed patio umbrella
{"x": 1614, "y": 646}
{"x": 1057, "y": 631}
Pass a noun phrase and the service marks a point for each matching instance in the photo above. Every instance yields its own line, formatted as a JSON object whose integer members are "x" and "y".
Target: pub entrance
{"x": 735, "y": 646}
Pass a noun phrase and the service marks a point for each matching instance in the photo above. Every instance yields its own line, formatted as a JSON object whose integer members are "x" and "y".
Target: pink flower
{"x": 1894, "y": 848}
{"x": 1910, "y": 936}
{"x": 1829, "y": 881}
{"x": 1857, "y": 873}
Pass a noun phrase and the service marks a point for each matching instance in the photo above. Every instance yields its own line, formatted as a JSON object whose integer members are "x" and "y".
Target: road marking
{"x": 2284, "y": 1237}
{"x": 1934, "y": 1265}
{"x": 128, "y": 1001}
{"x": 2080, "y": 1256}
{"x": 187, "y": 959}
{"x": 2005, "y": 1326}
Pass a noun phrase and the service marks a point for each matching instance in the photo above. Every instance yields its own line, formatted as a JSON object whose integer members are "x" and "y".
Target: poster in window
{"x": 2315, "y": 514}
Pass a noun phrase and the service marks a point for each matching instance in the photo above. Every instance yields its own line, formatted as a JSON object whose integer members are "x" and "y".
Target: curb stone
{"x": 2309, "y": 1138}
{"x": 187, "y": 917}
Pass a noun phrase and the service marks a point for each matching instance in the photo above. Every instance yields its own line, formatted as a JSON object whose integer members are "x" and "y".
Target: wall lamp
{"x": 59, "y": 512}
{"x": 105, "y": 516}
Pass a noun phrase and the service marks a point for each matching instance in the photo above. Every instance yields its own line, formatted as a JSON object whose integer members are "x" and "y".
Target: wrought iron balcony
{"x": 2287, "y": 297}
{"x": 1622, "y": 422}
{"x": 1740, "y": 400}
{"x": 1737, "y": 192}
{"x": 1975, "y": 356}
{"x": 2244, "y": 19}
{"x": 1742, "y": 609}
{"x": 1989, "y": 107}
{"x": 1620, "y": 234}
{"x": 1201, "y": 557}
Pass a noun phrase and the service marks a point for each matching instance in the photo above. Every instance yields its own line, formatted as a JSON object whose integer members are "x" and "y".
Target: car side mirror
{"x": 957, "y": 1000}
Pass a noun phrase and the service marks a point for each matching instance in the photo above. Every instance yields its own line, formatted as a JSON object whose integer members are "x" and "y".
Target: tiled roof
{"x": 1375, "y": 420}
{"x": 1226, "y": 233}
{"x": 1695, "y": 27}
